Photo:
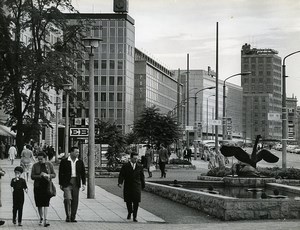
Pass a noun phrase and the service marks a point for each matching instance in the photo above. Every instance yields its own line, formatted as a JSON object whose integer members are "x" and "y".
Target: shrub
{"x": 276, "y": 172}
{"x": 219, "y": 172}
{"x": 180, "y": 162}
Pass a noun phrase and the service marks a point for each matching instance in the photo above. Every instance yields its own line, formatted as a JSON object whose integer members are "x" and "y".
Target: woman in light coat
{"x": 12, "y": 153}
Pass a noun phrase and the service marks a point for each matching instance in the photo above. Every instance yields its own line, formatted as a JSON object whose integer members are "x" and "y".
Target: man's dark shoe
{"x": 2, "y": 222}
{"x": 74, "y": 221}
{"x": 68, "y": 219}
{"x": 129, "y": 216}
{"x": 135, "y": 220}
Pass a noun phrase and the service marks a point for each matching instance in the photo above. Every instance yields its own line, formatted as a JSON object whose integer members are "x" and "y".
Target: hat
{"x": 18, "y": 169}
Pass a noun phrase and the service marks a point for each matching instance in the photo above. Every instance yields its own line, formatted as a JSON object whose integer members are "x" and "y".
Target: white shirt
{"x": 133, "y": 165}
{"x": 73, "y": 166}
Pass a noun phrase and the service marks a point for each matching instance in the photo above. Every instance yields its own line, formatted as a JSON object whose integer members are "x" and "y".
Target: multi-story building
{"x": 205, "y": 102}
{"x": 293, "y": 133}
{"x": 154, "y": 85}
{"x": 261, "y": 92}
{"x": 113, "y": 69}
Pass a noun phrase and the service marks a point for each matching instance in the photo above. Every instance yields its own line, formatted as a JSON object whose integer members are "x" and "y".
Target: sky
{"x": 168, "y": 30}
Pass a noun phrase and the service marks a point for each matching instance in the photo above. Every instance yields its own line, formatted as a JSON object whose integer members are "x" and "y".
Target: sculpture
{"x": 249, "y": 166}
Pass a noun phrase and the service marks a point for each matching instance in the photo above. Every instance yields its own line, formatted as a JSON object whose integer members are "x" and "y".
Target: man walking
{"x": 71, "y": 174}
{"x": 132, "y": 175}
{"x": 163, "y": 160}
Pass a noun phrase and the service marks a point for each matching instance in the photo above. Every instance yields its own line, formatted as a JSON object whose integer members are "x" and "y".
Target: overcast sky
{"x": 169, "y": 29}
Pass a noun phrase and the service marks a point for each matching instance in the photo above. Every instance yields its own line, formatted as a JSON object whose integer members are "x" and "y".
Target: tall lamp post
{"x": 207, "y": 115}
{"x": 57, "y": 107}
{"x": 284, "y": 112}
{"x": 67, "y": 88}
{"x": 91, "y": 43}
{"x": 195, "y": 117}
{"x": 224, "y": 101}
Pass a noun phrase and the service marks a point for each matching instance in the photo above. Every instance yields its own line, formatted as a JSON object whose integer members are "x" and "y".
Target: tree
{"x": 111, "y": 134}
{"x": 29, "y": 70}
{"x": 154, "y": 128}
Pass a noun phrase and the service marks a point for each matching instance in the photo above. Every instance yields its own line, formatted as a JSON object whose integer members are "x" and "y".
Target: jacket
{"x": 65, "y": 171}
{"x": 36, "y": 172}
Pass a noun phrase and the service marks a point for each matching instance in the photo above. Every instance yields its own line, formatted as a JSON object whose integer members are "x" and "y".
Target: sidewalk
{"x": 106, "y": 207}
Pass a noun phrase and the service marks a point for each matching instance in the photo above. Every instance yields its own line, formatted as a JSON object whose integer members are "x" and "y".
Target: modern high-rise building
{"x": 205, "y": 103}
{"x": 154, "y": 85}
{"x": 262, "y": 102}
{"x": 291, "y": 105}
{"x": 113, "y": 69}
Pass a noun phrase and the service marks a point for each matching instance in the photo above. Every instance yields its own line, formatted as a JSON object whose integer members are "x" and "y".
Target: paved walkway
{"x": 108, "y": 212}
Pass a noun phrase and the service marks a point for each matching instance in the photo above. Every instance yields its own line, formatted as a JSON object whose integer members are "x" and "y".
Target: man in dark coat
{"x": 71, "y": 174}
{"x": 134, "y": 181}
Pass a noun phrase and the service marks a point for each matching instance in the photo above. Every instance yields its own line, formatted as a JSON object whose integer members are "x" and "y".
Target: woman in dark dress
{"x": 41, "y": 173}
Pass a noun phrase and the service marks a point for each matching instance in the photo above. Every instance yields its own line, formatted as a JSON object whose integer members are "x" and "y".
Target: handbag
{"x": 51, "y": 190}
{"x": 152, "y": 168}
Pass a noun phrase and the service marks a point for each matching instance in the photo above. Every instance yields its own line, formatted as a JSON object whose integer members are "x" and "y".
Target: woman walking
{"x": 41, "y": 173}
{"x": 26, "y": 158}
{"x": 12, "y": 153}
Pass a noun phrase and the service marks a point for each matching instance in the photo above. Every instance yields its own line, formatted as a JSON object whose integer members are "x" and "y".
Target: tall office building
{"x": 113, "y": 69}
{"x": 154, "y": 85}
{"x": 291, "y": 105}
{"x": 205, "y": 102}
{"x": 261, "y": 93}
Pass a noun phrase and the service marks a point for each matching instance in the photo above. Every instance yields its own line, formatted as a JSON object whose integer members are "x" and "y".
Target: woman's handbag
{"x": 152, "y": 168}
{"x": 51, "y": 190}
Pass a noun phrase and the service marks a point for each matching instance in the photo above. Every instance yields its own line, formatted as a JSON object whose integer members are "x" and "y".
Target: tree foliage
{"x": 155, "y": 128}
{"x": 29, "y": 70}
{"x": 111, "y": 134}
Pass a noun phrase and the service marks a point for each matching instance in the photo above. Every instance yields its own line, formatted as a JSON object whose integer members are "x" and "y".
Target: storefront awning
{"x": 5, "y": 131}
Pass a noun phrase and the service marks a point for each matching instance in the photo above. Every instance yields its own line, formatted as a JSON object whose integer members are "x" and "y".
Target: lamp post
{"x": 224, "y": 101}
{"x": 207, "y": 115}
{"x": 67, "y": 88}
{"x": 91, "y": 43}
{"x": 195, "y": 117}
{"x": 284, "y": 113}
{"x": 57, "y": 107}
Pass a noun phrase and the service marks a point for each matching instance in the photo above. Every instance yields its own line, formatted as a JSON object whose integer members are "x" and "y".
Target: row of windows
{"x": 103, "y": 80}
{"x": 258, "y": 59}
{"x": 259, "y": 80}
{"x": 103, "y": 96}
{"x": 104, "y": 113}
{"x": 112, "y": 64}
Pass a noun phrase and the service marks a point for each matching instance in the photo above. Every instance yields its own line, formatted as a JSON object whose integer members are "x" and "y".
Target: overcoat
{"x": 134, "y": 182}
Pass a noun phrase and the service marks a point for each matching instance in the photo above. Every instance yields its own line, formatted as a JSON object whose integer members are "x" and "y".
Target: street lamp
{"x": 224, "y": 103}
{"x": 195, "y": 117}
{"x": 284, "y": 115}
{"x": 57, "y": 107}
{"x": 91, "y": 43}
{"x": 67, "y": 88}
{"x": 207, "y": 115}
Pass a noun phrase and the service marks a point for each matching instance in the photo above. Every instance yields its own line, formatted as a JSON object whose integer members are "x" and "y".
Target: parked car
{"x": 278, "y": 147}
{"x": 290, "y": 148}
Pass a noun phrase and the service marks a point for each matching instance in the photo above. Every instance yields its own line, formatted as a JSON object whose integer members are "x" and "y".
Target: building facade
{"x": 113, "y": 70}
{"x": 154, "y": 85}
{"x": 261, "y": 93}
{"x": 293, "y": 132}
{"x": 205, "y": 100}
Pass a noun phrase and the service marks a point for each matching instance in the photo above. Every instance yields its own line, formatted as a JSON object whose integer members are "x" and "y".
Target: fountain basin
{"x": 229, "y": 208}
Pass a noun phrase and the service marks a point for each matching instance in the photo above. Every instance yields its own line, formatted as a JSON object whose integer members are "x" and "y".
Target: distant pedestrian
{"x": 71, "y": 175}
{"x": 19, "y": 186}
{"x": 12, "y": 153}
{"x": 2, "y": 150}
{"x": 149, "y": 156}
{"x": 132, "y": 175}
{"x": 188, "y": 154}
{"x": 163, "y": 158}
{"x": 2, "y": 173}
{"x": 41, "y": 172}
{"x": 26, "y": 159}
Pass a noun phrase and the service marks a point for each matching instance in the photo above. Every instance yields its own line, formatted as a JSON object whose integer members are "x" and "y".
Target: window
{"x": 111, "y": 96}
{"x": 103, "y": 96}
{"x": 86, "y": 96}
{"x": 103, "y": 113}
{"x": 79, "y": 96}
{"x": 112, "y": 48}
{"x": 119, "y": 96}
{"x": 95, "y": 64}
{"x": 120, "y": 64}
{"x": 111, "y": 80}
{"x": 103, "y": 80}
{"x": 96, "y": 96}
{"x": 111, "y": 64}
{"x": 96, "y": 82}
{"x": 120, "y": 81}
{"x": 111, "y": 113}
{"x": 260, "y": 80}
{"x": 103, "y": 64}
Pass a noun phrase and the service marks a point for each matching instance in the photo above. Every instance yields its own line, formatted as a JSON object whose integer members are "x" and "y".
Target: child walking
{"x": 19, "y": 186}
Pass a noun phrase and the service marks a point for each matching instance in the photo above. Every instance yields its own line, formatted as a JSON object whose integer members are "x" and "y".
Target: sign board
{"x": 216, "y": 122}
{"x": 78, "y": 121}
{"x": 189, "y": 128}
{"x": 274, "y": 116}
{"x": 79, "y": 132}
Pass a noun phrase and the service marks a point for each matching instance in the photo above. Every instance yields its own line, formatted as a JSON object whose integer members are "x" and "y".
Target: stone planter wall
{"x": 228, "y": 208}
